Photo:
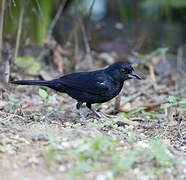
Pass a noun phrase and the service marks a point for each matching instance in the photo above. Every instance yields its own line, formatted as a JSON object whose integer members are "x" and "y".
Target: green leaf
{"x": 181, "y": 110}
{"x": 182, "y": 102}
{"x": 13, "y": 98}
{"x": 135, "y": 110}
{"x": 129, "y": 160}
{"x": 172, "y": 99}
{"x": 27, "y": 62}
{"x": 157, "y": 52}
{"x": 52, "y": 98}
{"x": 125, "y": 114}
{"x": 138, "y": 55}
{"x": 34, "y": 67}
{"x": 153, "y": 116}
{"x": 154, "y": 170}
{"x": 160, "y": 116}
{"x": 43, "y": 94}
{"x": 132, "y": 137}
{"x": 149, "y": 56}
{"x": 159, "y": 152}
{"x": 166, "y": 105}
{"x": 53, "y": 141}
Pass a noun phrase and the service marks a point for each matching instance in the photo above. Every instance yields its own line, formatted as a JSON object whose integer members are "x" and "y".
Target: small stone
{"x": 65, "y": 144}
{"x": 101, "y": 177}
{"x": 62, "y": 168}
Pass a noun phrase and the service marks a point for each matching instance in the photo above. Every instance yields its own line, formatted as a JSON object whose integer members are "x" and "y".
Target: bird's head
{"x": 122, "y": 71}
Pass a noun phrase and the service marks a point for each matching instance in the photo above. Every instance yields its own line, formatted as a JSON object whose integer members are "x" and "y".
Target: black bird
{"x": 90, "y": 87}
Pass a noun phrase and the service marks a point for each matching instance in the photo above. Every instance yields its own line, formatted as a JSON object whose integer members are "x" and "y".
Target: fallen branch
{"x": 148, "y": 107}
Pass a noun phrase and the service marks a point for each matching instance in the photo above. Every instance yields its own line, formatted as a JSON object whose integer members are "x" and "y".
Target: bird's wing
{"x": 90, "y": 82}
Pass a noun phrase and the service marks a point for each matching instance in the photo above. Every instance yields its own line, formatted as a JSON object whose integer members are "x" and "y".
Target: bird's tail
{"x": 32, "y": 82}
{"x": 52, "y": 84}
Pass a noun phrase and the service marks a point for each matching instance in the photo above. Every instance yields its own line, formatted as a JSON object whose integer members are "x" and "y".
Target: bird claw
{"x": 98, "y": 116}
{"x": 82, "y": 122}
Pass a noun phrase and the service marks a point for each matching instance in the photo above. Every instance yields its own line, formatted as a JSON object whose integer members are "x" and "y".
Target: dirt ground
{"x": 40, "y": 139}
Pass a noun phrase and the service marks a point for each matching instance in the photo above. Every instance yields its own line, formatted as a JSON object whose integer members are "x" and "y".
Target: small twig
{"x": 19, "y": 30}
{"x": 72, "y": 33}
{"x": 1, "y": 27}
{"x": 90, "y": 10}
{"x": 46, "y": 51}
{"x": 75, "y": 31}
{"x": 85, "y": 39}
{"x": 76, "y": 48}
{"x": 41, "y": 14}
{"x": 89, "y": 17}
{"x": 10, "y": 115}
{"x": 57, "y": 16}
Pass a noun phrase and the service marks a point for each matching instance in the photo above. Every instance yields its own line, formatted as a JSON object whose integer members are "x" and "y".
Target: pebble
{"x": 101, "y": 177}
{"x": 62, "y": 168}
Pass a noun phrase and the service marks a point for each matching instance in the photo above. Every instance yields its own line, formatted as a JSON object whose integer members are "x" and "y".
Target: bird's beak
{"x": 134, "y": 75}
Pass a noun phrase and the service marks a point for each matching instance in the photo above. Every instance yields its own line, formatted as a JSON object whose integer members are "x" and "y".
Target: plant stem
{"x": 1, "y": 27}
{"x": 19, "y": 31}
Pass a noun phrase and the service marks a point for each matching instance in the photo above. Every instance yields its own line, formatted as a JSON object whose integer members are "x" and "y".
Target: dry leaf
{"x": 58, "y": 61}
{"x": 62, "y": 51}
{"x": 124, "y": 120}
{"x": 26, "y": 106}
{"x": 152, "y": 75}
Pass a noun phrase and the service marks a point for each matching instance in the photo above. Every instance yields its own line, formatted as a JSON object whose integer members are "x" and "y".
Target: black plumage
{"x": 90, "y": 87}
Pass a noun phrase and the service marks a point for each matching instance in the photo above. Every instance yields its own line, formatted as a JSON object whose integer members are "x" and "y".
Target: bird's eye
{"x": 129, "y": 71}
{"x": 126, "y": 71}
{"x": 123, "y": 70}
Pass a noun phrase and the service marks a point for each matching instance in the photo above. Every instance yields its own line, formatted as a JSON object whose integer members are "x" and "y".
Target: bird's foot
{"x": 82, "y": 122}
{"x": 98, "y": 115}
{"x": 83, "y": 119}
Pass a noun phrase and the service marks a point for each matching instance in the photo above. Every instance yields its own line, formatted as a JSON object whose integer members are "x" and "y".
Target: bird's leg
{"x": 78, "y": 106}
{"x": 95, "y": 112}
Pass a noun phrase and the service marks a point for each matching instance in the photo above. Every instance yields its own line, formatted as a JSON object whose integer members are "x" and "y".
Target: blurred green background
{"x": 161, "y": 21}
